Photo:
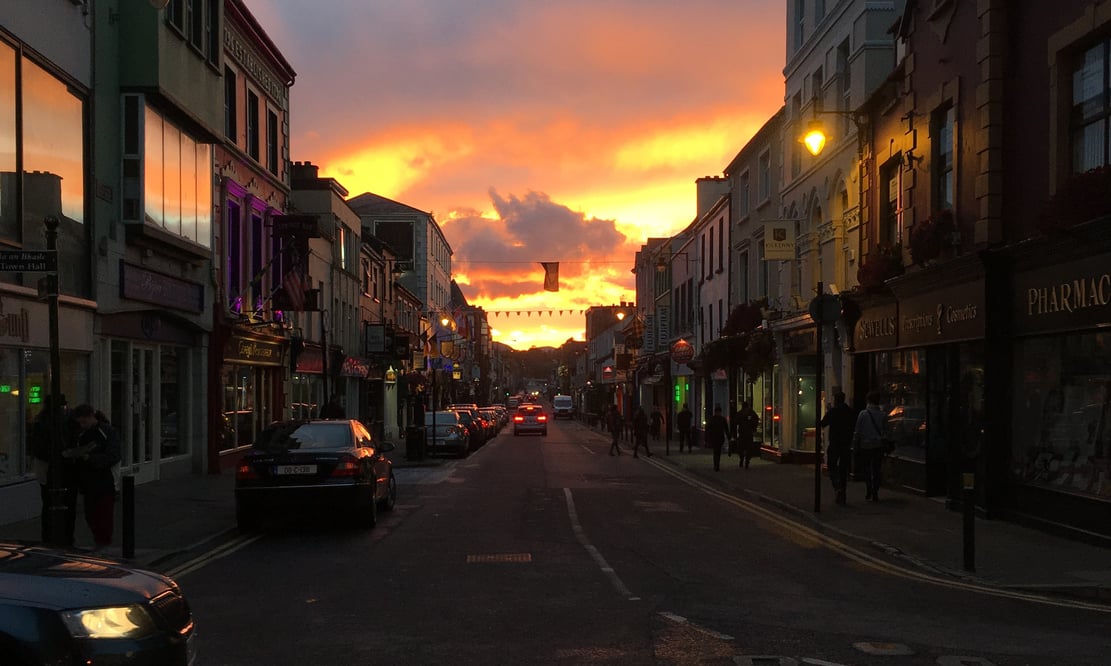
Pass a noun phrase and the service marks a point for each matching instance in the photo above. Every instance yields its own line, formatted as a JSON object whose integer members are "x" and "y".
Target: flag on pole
{"x": 294, "y": 284}
{"x": 551, "y": 275}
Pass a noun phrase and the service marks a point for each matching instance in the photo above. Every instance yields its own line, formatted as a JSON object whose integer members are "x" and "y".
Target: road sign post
{"x": 58, "y": 491}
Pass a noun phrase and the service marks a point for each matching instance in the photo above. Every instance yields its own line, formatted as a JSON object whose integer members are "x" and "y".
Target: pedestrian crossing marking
{"x": 499, "y": 558}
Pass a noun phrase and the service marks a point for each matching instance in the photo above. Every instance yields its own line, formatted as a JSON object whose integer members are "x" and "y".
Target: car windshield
{"x": 284, "y": 436}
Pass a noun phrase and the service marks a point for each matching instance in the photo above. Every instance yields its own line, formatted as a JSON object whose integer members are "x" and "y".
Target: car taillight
{"x": 518, "y": 419}
{"x": 346, "y": 467}
{"x": 542, "y": 417}
{"x": 245, "y": 472}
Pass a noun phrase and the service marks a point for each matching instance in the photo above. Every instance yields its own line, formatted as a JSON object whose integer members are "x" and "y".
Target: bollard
{"x": 968, "y": 483}
{"x": 127, "y": 496}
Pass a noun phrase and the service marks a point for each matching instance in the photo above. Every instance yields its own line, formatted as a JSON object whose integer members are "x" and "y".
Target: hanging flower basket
{"x": 884, "y": 262}
{"x": 1082, "y": 198}
{"x": 931, "y": 236}
{"x": 759, "y": 353}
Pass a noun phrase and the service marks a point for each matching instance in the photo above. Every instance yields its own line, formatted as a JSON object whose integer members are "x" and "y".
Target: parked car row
{"x": 462, "y": 427}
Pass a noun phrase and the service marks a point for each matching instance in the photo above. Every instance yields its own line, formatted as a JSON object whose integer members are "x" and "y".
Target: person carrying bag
{"x": 868, "y": 441}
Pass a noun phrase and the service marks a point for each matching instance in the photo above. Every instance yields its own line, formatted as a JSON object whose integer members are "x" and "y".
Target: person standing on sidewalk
{"x": 868, "y": 440}
{"x": 683, "y": 422}
{"x": 613, "y": 422}
{"x": 717, "y": 431}
{"x": 657, "y": 421}
{"x": 97, "y": 451}
{"x": 744, "y": 432}
{"x": 44, "y": 471}
{"x": 640, "y": 432}
{"x": 840, "y": 418}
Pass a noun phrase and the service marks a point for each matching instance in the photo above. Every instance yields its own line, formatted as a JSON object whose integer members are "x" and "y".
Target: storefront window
{"x": 901, "y": 378}
{"x": 805, "y": 402}
{"x": 174, "y": 434}
{"x": 1062, "y": 420}
{"x": 24, "y": 383}
{"x": 239, "y": 403}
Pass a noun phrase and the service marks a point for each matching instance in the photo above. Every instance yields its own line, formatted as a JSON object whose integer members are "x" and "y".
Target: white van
{"x": 561, "y": 406}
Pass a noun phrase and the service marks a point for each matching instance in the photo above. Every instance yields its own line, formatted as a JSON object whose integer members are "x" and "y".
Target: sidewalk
{"x": 173, "y": 516}
{"x": 918, "y": 531}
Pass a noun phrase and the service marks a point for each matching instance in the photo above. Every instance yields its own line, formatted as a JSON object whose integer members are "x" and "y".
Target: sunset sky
{"x": 560, "y": 130}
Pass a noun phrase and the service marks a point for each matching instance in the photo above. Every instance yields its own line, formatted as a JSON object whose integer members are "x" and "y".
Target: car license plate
{"x": 295, "y": 469}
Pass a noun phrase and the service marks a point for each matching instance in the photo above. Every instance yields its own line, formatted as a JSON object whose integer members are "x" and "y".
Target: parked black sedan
{"x": 58, "y": 607}
{"x": 318, "y": 465}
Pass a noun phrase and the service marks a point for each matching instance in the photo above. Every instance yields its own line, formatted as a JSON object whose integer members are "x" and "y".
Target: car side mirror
{"x": 385, "y": 446}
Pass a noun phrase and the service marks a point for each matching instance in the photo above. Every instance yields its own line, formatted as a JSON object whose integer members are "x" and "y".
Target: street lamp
{"x": 815, "y": 137}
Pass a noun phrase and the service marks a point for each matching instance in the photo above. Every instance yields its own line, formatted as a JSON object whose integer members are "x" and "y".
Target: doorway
{"x": 134, "y": 394}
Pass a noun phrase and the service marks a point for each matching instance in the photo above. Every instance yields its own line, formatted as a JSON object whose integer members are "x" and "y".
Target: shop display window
{"x": 901, "y": 378}
{"x": 1061, "y": 435}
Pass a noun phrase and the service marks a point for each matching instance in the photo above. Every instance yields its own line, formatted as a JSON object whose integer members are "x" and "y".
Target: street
{"x": 538, "y": 550}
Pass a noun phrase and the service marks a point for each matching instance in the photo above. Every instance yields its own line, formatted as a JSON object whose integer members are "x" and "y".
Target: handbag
{"x": 885, "y": 442}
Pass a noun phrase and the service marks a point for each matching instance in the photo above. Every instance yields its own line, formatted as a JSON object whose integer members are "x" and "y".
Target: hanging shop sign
{"x": 779, "y": 242}
{"x": 253, "y": 352}
{"x": 682, "y": 351}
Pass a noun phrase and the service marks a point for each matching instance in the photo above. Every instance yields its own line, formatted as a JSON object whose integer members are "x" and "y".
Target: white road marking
{"x": 587, "y": 449}
{"x": 580, "y": 535}
{"x": 679, "y": 619}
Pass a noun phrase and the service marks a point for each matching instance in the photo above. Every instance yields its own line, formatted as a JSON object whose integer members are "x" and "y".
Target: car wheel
{"x": 246, "y": 520}
{"x": 390, "y": 499}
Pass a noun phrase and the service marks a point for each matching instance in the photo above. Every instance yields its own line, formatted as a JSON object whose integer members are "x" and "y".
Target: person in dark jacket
{"x": 67, "y": 471}
{"x": 745, "y": 423}
{"x": 840, "y": 418}
{"x": 717, "y": 431}
{"x": 656, "y": 421}
{"x": 640, "y": 432}
{"x": 683, "y": 423}
{"x": 868, "y": 436}
{"x": 613, "y": 422}
{"x": 97, "y": 451}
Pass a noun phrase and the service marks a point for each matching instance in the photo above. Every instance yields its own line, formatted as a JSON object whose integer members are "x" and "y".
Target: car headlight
{"x": 112, "y": 622}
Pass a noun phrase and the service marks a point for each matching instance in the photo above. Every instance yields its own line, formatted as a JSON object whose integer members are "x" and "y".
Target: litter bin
{"x": 414, "y": 443}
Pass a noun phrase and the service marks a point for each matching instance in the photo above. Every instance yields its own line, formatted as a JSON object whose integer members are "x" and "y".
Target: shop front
{"x": 306, "y": 390}
{"x": 251, "y": 396}
{"x": 25, "y": 382}
{"x": 792, "y": 417}
{"x": 1059, "y": 470}
{"x": 932, "y": 384}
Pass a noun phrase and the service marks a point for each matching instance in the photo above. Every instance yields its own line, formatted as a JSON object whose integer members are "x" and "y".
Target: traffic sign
{"x": 19, "y": 261}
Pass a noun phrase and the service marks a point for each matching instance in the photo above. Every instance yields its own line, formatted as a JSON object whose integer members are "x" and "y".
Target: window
{"x": 702, "y": 256}
{"x": 844, "y": 88}
{"x": 252, "y": 125}
{"x": 175, "y": 14}
{"x": 177, "y": 182}
{"x": 800, "y": 21}
{"x": 890, "y": 212}
{"x": 745, "y": 193}
{"x": 943, "y": 158}
{"x": 710, "y": 256}
{"x": 272, "y": 142}
{"x": 230, "y": 105}
{"x": 233, "y": 232}
{"x": 42, "y": 123}
{"x": 796, "y": 147}
{"x": 198, "y": 23}
{"x": 762, "y": 272}
{"x": 819, "y": 10}
{"x": 257, "y": 262}
{"x": 765, "y": 176}
{"x": 743, "y": 277}
{"x": 1091, "y": 110}
{"x": 721, "y": 245}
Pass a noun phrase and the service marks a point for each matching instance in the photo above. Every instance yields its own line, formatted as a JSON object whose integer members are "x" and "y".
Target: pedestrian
{"x": 640, "y": 432}
{"x": 745, "y": 423}
{"x": 868, "y": 441}
{"x": 613, "y": 422}
{"x": 66, "y": 472}
{"x": 96, "y": 453}
{"x": 717, "y": 431}
{"x": 840, "y": 418}
{"x": 683, "y": 422}
{"x": 656, "y": 422}
{"x": 332, "y": 410}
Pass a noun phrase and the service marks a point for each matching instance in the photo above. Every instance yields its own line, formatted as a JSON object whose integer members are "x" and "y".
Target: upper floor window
{"x": 231, "y": 104}
{"x": 198, "y": 22}
{"x": 1091, "y": 109}
{"x": 943, "y": 121}
{"x": 252, "y": 125}
{"x": 42, "y": 130}
{"x": 721, "y": 245}
{"x": 890, "y": 212}
{"x": 800, "y": 21}
{"x": 177, "y": 180}
{"x": 765, "y": 176}
{"x": 272, "y": 142}
{"x": 710, "y": 255}
{"x": 746, "y": 194}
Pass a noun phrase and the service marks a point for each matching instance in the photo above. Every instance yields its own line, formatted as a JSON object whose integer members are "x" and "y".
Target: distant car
{"x": 60, "y": 607}
{"x": 495, "y": 414}
{"x": 562, "y": 406}
{"x": 450, "y": 434}
{"x": 318, "y": 465}
{"x": 530, "y": 418}
{"x": 475, "y": 426}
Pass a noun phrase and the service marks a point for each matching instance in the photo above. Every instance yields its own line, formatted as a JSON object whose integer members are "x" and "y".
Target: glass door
{"x": 142, "y": 436}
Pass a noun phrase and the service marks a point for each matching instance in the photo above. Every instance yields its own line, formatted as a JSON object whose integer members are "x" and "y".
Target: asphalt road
{"x": 546, "y": 550}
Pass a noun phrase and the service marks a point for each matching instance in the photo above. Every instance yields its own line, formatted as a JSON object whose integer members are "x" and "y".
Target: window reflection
{"x": 9, "y": 216}
{"x": 178, "y": 187}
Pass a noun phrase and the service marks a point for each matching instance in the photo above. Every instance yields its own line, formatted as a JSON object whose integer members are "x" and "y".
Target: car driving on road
{"x": 530, "y": 418}
{"x": 328, "y": 466}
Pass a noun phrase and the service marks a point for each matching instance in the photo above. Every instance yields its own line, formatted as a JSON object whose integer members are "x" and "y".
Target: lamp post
{"x": 823, "y": 308}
